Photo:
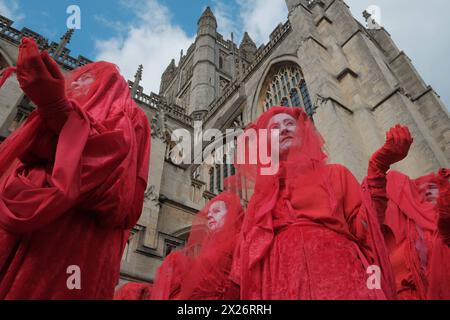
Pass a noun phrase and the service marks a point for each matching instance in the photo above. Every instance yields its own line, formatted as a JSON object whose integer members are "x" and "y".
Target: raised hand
{"x": 40, "y": 77}
{"x": 396, "y": 148}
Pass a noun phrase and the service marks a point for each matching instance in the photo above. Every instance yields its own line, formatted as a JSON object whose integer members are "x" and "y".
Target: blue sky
{"x": 48, "y": 17}
{"x": 152, "y": 32}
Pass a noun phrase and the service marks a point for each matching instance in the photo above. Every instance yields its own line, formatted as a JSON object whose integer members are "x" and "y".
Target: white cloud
{"x": 10, "y": 9}
{"x": 226, "y": 18}
{"x": 117, "y": 26}
{"x": 152, "y": 40}
{"x": 260, "y": 17}
{"x": 421, "y": 30}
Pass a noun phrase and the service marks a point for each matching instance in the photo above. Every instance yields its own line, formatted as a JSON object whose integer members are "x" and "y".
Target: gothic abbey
{"x": 354, "y": 82}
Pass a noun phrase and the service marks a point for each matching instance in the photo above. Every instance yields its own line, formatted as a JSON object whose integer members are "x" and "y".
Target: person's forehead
{"x": 85, "y": 76}
{"x": 281, "y": 117}
{"x": 217, "y": 205}
{"x": 428, "y": 184}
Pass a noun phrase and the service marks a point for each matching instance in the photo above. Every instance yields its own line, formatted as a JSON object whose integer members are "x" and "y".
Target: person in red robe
{"x": 73, "y": 183}
{"x": 201, "y": 271}
{"x": 417, "y": 232}
{"x": 169, "y": 276}
{"x": 311, "y": 231}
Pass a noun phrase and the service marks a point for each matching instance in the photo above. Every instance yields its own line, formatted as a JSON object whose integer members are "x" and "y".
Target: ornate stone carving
{"x": 158, "y": 125}
{"x": 150, "y": 195}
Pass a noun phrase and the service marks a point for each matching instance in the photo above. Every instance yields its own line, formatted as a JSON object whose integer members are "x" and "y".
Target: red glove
{"x": 395, "y": 149}
{"x": 40, "y": 78}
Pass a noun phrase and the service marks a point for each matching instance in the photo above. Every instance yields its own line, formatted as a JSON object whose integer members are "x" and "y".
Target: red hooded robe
{"x": 310, "y": 231}
{"x": 74, "y": 187}
{"x": 419, "y": 255}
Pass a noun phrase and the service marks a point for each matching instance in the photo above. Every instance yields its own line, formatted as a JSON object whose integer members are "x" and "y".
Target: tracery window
{"x": 219, "y": 172}
{"x": 211, "y": 180}
{"x": 288, "y": 88}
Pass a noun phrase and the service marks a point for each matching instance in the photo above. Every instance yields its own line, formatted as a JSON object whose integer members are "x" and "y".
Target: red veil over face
{"x": 307, "y": 150}
{"x": 103, "y": 98}
{"x": 201, "y": 269}
{"x": 420, "y": 248}
{"x": 278, "y": 202}
{"x": 74, "y": 187}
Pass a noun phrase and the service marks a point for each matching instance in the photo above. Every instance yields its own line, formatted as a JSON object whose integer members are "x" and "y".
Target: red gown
{"x": 201, "y": 270}
{"x": 420, "y": 259}
{"x": 208, "y": 275}
{"x": 333, "y": 268}
{"x": 75, "y": 193}
{"x": 169, "y": 276}
{"x": 310, "y": 231}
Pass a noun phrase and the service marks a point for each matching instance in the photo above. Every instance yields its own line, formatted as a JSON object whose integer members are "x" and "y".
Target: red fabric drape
{"x": 200, "y": 271}
{"x": 76, "y": 189}
{"x": 169, "y": 276}
{"x": 207, "y": 276}
{"x": 308, "y": 232}
{"x": 417, "y": 251}
{"x": 134, "y": 291}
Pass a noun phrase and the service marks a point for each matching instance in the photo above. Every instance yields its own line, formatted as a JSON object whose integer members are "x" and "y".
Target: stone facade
{"x": 353, "y": 81}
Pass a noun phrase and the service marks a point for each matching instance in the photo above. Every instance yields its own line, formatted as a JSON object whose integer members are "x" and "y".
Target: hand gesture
{"x": 396, "y": 148}
{"x": 39, "y": 76}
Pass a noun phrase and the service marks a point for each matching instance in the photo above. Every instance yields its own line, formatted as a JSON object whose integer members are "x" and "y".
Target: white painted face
{"x": 287, "y": 125}
{"x": 430, "y": 191}
{"x": 216, "y": 215}
{"x": 80, "y": 87}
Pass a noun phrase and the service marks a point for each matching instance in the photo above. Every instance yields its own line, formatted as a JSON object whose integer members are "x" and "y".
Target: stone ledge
{"x": 323, "y": 18}
{"x": 401, "y": 53}
{"x": 339, "y": 104}
{"x": 420, "y": 95}
{"x": 386, "y": 98}
{"x": 317, "y": 41}
{"x": 346, "y": 71}
{"x": 351, "y": 37}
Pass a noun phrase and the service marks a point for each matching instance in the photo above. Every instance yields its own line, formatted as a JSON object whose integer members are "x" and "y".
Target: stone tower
{"x": 203, "y": 86}
{"x": 248, "y": 47}
{"x": 167, "y": 76}
{"x": 206, "y": 69}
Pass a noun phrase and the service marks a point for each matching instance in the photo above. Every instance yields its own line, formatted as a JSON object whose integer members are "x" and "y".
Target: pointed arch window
{"x": 211, "y": 180}
{"x": 295, "y": 98}
{"x": 288, "y": 88}
{"x": 306, "y": 98}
